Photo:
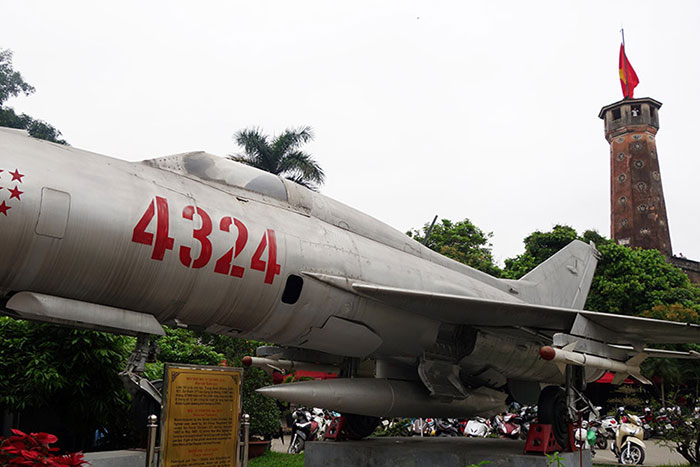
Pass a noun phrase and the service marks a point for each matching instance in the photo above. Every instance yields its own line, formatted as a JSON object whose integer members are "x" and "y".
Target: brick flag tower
{"x": 637, "y": 207}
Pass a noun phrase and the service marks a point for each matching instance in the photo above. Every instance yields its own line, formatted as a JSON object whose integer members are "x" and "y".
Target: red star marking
{"x": 14, "y": 193}
{"x": 16, "y": 176}
{"x": 4, "y": 208}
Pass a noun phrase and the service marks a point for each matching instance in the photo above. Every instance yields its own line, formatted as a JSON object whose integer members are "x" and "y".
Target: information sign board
{"x": 201, "y": 410}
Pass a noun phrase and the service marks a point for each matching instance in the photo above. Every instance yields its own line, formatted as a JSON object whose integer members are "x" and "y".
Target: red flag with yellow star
{"x": 628, "y": 78}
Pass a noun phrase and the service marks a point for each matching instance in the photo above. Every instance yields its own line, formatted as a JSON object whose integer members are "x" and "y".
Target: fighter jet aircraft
{"x": 201, "y": 241}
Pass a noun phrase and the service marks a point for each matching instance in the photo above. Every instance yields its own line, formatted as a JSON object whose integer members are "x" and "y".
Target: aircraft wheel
{"x": 551, "y": 410}
{"x": 360, "y": 426}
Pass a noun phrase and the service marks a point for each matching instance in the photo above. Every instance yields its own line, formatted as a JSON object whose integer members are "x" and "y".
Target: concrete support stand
{"x": 425, "y": 452}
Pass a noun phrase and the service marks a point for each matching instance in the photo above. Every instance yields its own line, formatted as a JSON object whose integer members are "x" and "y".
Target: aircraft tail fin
{"x": 563, "y": 280}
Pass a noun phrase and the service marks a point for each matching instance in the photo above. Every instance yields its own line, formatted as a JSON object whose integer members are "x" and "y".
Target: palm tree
{"x": 281, "y": 156}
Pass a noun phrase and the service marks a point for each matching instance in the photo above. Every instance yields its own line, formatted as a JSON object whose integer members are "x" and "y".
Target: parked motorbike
{"x": 429, "y": 428}
{"x": 608, "y": 427}
{"x": 305, "y": 428}
{"x": 446, "y": 427}
{"x": 648, "y": 422}
{"x": 528, "y": 414}
{"x": 581, "y": 436}
{"x": 323, "y": 418}
{"x": 629, "y": 447}
{"x": 477, "y": 428}
{"x": 600, "y": 440}
{"x": 417, "y": 427}
{"x": 507, "y": 425}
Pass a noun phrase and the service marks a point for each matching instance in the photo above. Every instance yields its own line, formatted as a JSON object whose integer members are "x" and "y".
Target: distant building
{"x": 637, "y": 207}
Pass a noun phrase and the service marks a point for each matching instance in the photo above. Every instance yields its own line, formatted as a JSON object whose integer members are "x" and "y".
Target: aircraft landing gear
{"x": 551, "y": 410}
{"x": 563, "y": 407}
{"x": 132, "y": 376}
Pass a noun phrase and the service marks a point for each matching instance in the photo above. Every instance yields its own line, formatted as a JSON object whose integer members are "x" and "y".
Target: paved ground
{"x": 655, "y": 454}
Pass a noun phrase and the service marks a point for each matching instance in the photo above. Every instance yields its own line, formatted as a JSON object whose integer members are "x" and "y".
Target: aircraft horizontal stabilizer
{"x": 474, "y": 311}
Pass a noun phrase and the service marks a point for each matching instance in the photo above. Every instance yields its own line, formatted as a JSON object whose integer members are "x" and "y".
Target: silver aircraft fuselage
{"x": 201, "y": 241}
{"x": 80, "y": 244}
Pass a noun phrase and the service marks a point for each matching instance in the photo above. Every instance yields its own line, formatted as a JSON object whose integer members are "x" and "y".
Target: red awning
{"x": 608, "y": 377}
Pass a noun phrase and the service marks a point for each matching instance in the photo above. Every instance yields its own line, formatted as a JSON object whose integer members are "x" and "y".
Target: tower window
{"x": 621, "y": 156}
{"x": 639, "y": 163}
{"x": 292, "y": 290}
{"x": 621, "y": 178}
{"x": 616, "y": 114}
{"x": 636, "y": 110}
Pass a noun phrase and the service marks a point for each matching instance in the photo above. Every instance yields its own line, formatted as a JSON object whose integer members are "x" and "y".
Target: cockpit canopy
{"x": 210, "y": 168}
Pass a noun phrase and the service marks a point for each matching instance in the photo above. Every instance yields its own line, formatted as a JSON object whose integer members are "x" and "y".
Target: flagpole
{"x": 624, "y": 50}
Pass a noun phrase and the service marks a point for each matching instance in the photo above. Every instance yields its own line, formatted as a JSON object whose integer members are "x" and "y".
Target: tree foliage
{"x": 685, "y": 435}
{"x": 539, "y": 246}
{"x": 264, "y": 412}
{"x": 461, "y": 241}
{"x": 281, "y": 155}
{"x": 71, "y": 372}
{"x": 12, "y": 84}
{"x": 640, "y": 282}
{"x": 182, "y": 346}
{"x": 199, "y": 348}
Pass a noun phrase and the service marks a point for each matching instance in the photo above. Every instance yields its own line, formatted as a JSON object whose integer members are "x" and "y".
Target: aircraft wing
{"x": 473, "y": 311}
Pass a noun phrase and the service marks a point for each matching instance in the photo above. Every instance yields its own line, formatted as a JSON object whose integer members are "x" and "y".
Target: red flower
{"x": 33, "y": 450}
{"x": 44, "y": 438}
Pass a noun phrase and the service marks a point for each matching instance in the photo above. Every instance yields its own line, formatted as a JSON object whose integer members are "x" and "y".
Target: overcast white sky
{"x": 479, "y": 110}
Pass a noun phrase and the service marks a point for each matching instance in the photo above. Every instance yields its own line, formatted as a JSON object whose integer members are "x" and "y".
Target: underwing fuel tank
{"x": 385, "y": 398}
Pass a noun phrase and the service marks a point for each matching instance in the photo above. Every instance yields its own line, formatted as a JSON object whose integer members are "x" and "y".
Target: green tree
{"x": 185, "y": 346}
{"x": 264, "y": 412}
{"x": 70, "y": 373}
{"x": 635, "y": 281}
{"x": 182, "y": 346}
{"x": 280, "y": 155}
{"x": 461, "y": 241}
{"x": 12, "y": 84}
{"x": 539, "y": 246}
